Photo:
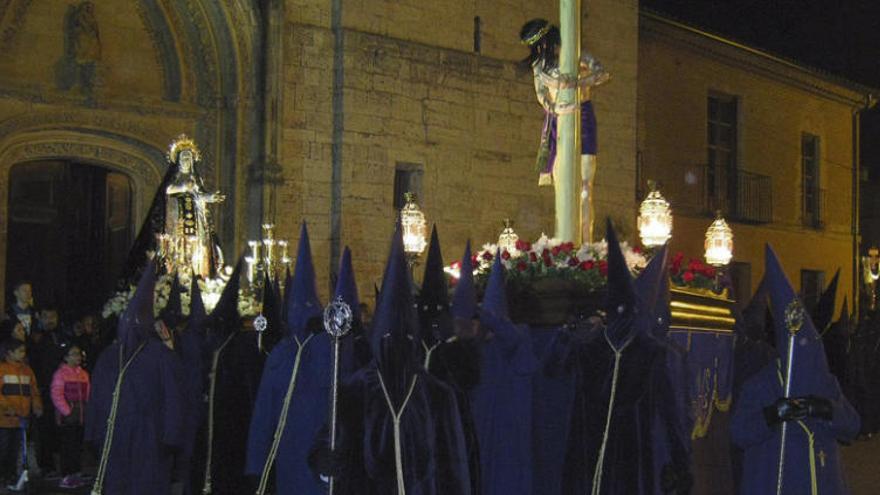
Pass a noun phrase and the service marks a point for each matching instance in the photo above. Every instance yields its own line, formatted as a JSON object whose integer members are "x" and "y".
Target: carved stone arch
{"x": 143, "y": 164}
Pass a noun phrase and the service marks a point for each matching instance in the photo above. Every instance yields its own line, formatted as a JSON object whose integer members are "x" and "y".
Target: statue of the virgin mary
{"x": 189, "y": 241}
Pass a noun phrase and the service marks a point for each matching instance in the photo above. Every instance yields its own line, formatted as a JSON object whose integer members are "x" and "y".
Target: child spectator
{"x": 19, "y": 397}
{"x": 70, "y": 391}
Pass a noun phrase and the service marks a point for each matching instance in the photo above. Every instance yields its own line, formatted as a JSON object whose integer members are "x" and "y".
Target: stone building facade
{"x": 309, "y": 109}
{"x": 768, "y": 142}
{"x": 306, "y": 110}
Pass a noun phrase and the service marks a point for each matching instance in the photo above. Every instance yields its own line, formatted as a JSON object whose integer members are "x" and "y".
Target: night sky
{"x": 838, "y": 36}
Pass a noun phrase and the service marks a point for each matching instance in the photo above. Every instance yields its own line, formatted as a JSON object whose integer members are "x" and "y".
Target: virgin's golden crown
{"x": 183, "y": 142}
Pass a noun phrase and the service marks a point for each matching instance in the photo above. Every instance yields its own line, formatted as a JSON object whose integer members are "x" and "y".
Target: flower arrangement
{"x": 695, "y": 273}
{"x": 211, "y": 290}
{"x": 550, "y": 258}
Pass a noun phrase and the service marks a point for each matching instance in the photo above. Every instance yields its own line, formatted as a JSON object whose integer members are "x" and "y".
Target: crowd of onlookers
{"x": 44, "y": 365}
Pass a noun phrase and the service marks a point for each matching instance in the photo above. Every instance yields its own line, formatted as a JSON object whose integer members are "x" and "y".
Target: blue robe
{"x": 761, "y": 443}
{"x": 502, "y": 409}
{"x": 149, "y": 419}
{"x": 306, "y": 415}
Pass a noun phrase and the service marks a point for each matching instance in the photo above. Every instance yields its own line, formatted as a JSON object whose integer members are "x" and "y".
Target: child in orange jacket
{"x": 19, "y": 398}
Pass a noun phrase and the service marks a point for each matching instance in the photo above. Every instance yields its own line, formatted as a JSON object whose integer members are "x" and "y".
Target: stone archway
{"x": 143, "y": 164}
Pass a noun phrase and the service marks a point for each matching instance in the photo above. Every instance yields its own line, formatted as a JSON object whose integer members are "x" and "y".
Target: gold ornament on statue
{"x": 183, "y": 142}
{"x": 188, "y": 243}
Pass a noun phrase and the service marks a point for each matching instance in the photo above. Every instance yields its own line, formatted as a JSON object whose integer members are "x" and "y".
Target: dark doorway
{"x": 69, "y": 232}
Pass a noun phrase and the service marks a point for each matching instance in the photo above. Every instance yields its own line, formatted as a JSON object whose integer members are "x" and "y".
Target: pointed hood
{"x": 754, "y": 316}
{"x": 622, "y": 303}
{"x": 464, "y": 300}
{"x": 225, "y": 318}
{"x": 394, "y": 336}
{"x": 810, "y": 365}
{"x": 824, "y": 311}
{"x": 302, "y": 304}
{"x": 346, "y": 285}
{"x": 172, "y": 313}
{"x": 197, "y": 314}
{"x": 433, "y": 300}
{"x": 652, "y": 285}
{"x": 495, "y": 297}
{"x": 136, "y": 324}
{"x": 272, "y": 312}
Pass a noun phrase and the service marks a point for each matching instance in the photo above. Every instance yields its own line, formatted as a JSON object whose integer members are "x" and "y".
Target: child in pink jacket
{"x": 70, "y": 391}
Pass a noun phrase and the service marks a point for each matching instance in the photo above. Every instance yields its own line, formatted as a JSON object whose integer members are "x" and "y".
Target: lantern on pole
{"x": 414, "y": 229}
{"x": 719, "y": 242}
{"x": 507, "y": 239}
{"x": 655, "y": 219}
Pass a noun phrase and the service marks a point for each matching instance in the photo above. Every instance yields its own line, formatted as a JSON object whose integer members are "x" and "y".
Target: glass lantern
{"x": 414, "y": 227}
{"x": 507, "y": 239}
{"x": 719, "y": 242}
{"x": 655, "y": 219}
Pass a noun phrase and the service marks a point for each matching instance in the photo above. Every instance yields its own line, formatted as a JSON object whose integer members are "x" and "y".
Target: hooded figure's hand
{"x": 785, "y": 410}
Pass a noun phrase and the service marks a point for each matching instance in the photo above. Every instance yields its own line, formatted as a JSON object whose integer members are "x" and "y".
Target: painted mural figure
{"x": 544, "y": 42}
{"x": 189, "y": 240}
{"x": 78, "y": 66}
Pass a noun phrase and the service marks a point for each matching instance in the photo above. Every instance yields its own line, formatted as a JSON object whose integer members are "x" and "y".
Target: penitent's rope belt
{"x": 395, "y": 415}
{"x": 98, "y": 488}
{"x": 282, "y": 420}
{"x": 206, "y": 488}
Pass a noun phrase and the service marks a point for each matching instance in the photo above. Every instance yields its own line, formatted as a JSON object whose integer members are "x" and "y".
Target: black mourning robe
{"x": 647, "y": 448}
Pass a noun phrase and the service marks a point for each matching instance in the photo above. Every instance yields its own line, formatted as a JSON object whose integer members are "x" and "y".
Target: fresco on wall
{"x": 77, "y": 69}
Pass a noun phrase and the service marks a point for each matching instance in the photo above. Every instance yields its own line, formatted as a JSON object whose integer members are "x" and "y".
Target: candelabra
{"x": 268, "y": 256}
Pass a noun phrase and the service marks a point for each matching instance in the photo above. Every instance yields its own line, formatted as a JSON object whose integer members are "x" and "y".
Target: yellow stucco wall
{"x": 677, "y": 72}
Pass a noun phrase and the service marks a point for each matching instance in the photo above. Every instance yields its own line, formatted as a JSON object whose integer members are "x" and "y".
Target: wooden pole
{"x": 568, "y": 150}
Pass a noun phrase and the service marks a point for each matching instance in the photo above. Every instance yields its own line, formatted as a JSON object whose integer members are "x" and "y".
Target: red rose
{"x": 676, "y": 262}
{"x": 487, "y": 256}
{"x": 567, "y": 247}
{"x": 521, "y": 266}
{"x": 556, "y": 250}
{"x": 603, "y": 268}
{"x": 548, "y": 261}
{"x": 474, "y": 260}
{"x": 637, "y": 250}
{"x": 523, "y": 245}
{"x": 694, "y": 265}
{"x": 505, "y": 255}
{"x": 688, "y": 276}
{"x": 587, "y": 265}
{"x": 545, "y": 252}
{"x": 574, "y": 261}
{"x": 709, "y": 271}
{"x": 533, "y": 257}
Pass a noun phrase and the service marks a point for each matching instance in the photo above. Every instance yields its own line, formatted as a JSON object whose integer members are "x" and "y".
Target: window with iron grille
{"x": 721, "y": 144}
{"x": 811, "y": 191}
{"x": 407, "y": 178}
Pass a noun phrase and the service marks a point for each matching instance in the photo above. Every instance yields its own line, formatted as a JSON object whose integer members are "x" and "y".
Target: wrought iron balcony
{"x": 743, "y": 197}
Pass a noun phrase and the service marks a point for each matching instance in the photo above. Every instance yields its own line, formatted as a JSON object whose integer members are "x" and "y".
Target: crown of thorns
{"x": 531, "y": 40}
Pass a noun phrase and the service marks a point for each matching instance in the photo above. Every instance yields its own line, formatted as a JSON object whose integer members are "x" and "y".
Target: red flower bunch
{"x": 694, "y": 274}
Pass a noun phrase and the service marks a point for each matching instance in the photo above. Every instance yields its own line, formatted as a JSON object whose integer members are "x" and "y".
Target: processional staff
{"x": 337, "y": 323}
{"x": 794, "y": 320}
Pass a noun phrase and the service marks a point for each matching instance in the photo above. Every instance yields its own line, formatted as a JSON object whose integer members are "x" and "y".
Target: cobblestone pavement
{"x": 862, "y": 463}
